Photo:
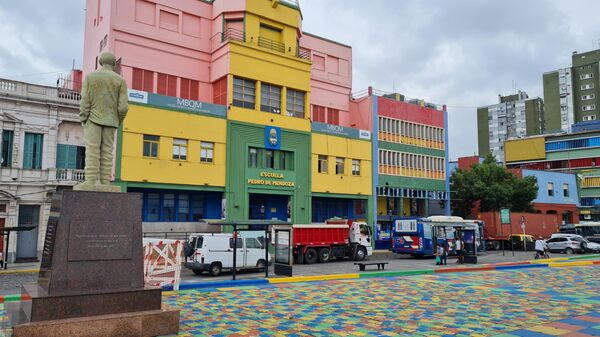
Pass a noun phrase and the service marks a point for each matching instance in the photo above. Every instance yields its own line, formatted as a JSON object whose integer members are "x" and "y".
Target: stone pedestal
{"x": 91, "y": 280}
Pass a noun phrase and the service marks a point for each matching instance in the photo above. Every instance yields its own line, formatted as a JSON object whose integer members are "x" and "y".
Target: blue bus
{"x": 419, "y": 237}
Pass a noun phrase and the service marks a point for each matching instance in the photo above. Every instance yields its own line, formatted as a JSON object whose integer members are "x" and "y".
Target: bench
{"x": 362, "y": 265}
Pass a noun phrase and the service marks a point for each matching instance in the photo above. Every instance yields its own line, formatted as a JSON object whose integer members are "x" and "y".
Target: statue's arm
{"x": 123, "y": 102}
{"x": 85, "y": 105}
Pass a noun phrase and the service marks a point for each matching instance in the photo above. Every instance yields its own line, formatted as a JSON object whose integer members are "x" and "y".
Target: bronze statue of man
{"x": 102, "y": 111}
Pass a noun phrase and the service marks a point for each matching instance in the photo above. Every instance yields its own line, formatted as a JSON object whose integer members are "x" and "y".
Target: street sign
{"x": 505, "y": 216}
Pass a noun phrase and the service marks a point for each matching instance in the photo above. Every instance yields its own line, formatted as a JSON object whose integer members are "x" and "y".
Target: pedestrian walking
{"x": 439, "y": 253}
{"x": 460, "y": 247}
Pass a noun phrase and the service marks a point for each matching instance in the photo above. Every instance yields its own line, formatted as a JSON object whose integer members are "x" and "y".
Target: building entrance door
{"x": 29, "y": 215}
{"x": 268, "y": 207}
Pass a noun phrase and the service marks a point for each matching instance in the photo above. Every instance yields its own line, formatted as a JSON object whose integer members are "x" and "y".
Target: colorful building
{"x": 236, "y": 113}
{"x": 576, "y": 153}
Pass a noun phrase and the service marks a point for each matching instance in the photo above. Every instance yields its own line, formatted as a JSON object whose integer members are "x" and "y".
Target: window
{"x": 183, "y": 207}
{"x": 189, "y": 89}
{"x": 318, "y": 114}
{"x": 32, "y": 153}
{"x": 252, "y": 243}
{"x": 70, "y": 157}
{"x": 322, "y": 164}
{"x": 269, "y": 159}
{"x": 588, "y": 97}
{"x": 270, "y": 98}
{"x": 166, "y": 85}
{"x": 220, "y": 91}
{"x": 586, "y": 76}
{"x": 7, "y": 148}
{"x": 566, "y": 190}
{"x": 206, "y": 152}
{"x": 333, "y": 116}
{"x": 179, "y": 149}
{"x": 285, "y": 160}
{"x": 587, "y": 86}
{"x": 152, "y": 211}
{"x": 589, "y": 118}
{"x": 168, "y": 209}
{"x": 237, "y": 243}
{"x": 339, "y": 165}
{"x": 151, "y": 146}
{"x": 244, "y": 93}
{"x": 143, "y": 80}
{"x": 295, "y": 103}
{"x": 550, "y": 189}
{"x": 588, "y": 107}
{"x": 252, "y": 157}
{"x": 355, "y": 167}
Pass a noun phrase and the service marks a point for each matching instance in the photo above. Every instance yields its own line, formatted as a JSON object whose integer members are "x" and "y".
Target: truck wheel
{"x": 310, "y": 256}
{"x": 361, "y": 254}
{"x": 324, "y": 255}
{"x": 197, "y": 271}
{"x": 496, "y": 245}
{"x": 261, "y": 264}
{"x": 215, "y": 269}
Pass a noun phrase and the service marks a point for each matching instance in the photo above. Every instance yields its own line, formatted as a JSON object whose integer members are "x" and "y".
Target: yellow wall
{"x": 525, "y": 149}
{"x": 349, "y": 149}
{"x": 168, "y": 125}
{"x": 282, "y": 17}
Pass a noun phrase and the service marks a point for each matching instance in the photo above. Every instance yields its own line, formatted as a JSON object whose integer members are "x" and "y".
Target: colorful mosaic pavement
{"x": 528, "y": 302}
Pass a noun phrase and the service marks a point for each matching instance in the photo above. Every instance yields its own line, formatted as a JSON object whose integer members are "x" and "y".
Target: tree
{"x": 493, "y": 187}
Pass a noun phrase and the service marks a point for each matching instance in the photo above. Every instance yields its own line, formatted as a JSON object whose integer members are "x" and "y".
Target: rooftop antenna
{"x": 73, "y": 67}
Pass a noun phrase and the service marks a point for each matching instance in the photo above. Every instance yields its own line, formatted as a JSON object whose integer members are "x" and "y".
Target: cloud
{"x": 462, "y": 53}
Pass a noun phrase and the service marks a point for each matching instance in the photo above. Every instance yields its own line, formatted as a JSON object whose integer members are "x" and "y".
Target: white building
{"x": 514, "y": 116}
{"x": 41, "y": 151}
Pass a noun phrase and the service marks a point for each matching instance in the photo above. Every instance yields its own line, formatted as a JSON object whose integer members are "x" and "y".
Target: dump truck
{"x": 336, "y": 238}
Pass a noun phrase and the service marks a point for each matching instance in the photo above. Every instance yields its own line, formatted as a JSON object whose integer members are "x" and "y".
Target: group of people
{"x": 443, "y": 249}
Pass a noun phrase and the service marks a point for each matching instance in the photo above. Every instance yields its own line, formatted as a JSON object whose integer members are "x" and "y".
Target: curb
{"x": 19, "y": 271}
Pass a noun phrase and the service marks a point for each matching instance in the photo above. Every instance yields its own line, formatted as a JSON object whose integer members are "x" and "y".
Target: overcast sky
{"x": 462, "y": 53}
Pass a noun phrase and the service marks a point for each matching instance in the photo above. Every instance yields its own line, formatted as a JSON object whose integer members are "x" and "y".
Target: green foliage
{"x": 493, "y": 186}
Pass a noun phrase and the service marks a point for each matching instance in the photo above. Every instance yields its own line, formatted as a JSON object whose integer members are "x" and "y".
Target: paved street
{"x": 534, "y": 302}
{"x": 11, "y": 283}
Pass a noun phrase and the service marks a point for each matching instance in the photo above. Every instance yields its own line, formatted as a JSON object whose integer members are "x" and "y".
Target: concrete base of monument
{"x": 96, "y": 188}
{"x": 138, "y": 324}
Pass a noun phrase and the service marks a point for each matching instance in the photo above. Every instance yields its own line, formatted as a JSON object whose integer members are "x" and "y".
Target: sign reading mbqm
{"x": 175, "y": 103}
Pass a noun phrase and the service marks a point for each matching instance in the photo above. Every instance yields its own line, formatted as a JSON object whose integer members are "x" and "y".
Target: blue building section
{"x": 573, "y": 144}
{"x": 327, "y": 208}
{"x": 163, "y": 205}
{"x": 555, "y": 187}
{"x": 586, "y": 126}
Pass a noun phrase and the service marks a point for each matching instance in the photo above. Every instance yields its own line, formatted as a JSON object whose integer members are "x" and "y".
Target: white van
{"x": 213, "y": 252}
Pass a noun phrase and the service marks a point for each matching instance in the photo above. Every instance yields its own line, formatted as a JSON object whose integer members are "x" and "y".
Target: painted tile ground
{"x": 533, "y": 302}
{"x": 511, "y": 303}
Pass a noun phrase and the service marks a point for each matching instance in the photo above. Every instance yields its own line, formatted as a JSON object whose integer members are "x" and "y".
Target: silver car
{"x": 567, "y": 245}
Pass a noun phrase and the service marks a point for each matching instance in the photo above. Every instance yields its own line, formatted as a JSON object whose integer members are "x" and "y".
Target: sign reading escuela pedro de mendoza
{"x": 271, "y": 182}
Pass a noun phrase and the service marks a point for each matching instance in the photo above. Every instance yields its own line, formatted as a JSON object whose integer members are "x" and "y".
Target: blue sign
{"x": 272, "y": 137}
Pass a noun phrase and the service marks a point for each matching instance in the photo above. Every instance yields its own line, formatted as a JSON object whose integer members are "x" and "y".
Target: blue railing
{"x": 573, "y": 144}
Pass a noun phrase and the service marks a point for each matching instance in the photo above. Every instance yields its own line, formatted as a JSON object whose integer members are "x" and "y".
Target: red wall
{"x": 535, "y": 224}
{"x": 465, "y": 163}
{"x": 410, "y": 112}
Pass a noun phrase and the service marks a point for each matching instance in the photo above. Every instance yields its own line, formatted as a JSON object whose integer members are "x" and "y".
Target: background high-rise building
{"x": 513, "y": 116}
{"x": 570, "y": 93}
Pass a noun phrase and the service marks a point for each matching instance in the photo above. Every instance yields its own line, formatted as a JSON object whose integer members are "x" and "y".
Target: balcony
{"x": 303, "y": 53}
{"x": 70, "y": 175}
{"x": 40, "y": 92}
{"x": 271, "y": 44}
{"x": 232, "y": 34}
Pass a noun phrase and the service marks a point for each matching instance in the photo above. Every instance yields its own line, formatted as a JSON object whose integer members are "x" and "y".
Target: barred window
{"x": 270, "y": 98}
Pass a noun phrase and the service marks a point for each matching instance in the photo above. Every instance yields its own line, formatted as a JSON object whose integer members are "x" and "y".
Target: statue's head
{"x": 107, "y": 59}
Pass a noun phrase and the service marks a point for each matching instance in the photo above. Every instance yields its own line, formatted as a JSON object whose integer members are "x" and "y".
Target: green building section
{"x": 483, "y": 140}
{"x": 534, "y": 116}
{"x": 289, "y": 181}
{"x": 552, "y": 115}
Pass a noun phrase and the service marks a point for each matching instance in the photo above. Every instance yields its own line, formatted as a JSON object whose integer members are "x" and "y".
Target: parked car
{"x": 566, "y": 244}
{"x": 591, "y": 247}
